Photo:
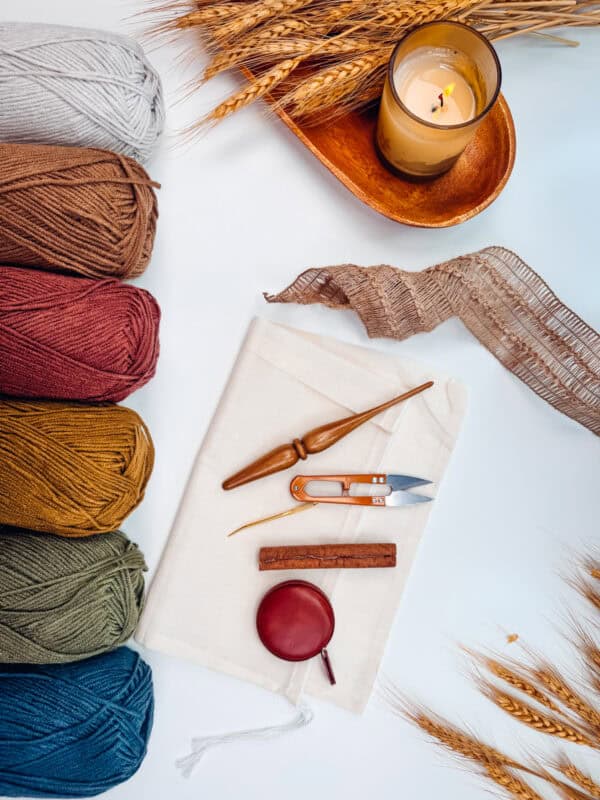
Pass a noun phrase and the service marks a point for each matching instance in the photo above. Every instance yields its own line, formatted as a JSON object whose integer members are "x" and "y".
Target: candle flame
{"x": 449, "y": 89}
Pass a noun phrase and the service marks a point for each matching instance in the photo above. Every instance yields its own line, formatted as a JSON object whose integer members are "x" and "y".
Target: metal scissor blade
{"x": 401, "y": 482}
{"x": 400, "y": 498}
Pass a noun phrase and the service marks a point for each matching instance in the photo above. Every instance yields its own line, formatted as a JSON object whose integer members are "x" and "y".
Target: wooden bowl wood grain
{"x": 346, "y": 146}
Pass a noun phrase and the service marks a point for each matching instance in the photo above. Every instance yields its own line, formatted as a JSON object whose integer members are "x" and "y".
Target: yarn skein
{"x": 78, "y": 87}
{"x": 71, "y": 338}
{"x": 65, "y": 601}
{"x": 71, "y": 209}
{"x": 70, "y": 469}
{"x": 74, "y": 730}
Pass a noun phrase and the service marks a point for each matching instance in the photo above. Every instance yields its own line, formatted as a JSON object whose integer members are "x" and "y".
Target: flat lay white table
{"x": 243, "y": 209}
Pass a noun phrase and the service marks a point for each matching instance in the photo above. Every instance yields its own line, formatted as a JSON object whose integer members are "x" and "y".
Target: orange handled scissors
{"x": 372, "y": 489}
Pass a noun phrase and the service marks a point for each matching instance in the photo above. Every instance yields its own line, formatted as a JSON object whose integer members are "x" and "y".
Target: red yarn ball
{"x": 71, "y": 338}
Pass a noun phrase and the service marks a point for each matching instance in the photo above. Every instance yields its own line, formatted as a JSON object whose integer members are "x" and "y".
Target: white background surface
{"x": 244, "y": 210}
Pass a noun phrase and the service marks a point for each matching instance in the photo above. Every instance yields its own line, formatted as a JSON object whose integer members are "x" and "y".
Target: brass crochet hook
{"x": 314, "y": 441}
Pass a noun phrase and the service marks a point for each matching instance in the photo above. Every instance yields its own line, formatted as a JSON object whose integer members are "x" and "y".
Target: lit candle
{"x": 443, "y": 79}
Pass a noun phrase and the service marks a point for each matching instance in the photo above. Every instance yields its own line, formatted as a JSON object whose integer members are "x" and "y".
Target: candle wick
{"x": 446, "y": 92}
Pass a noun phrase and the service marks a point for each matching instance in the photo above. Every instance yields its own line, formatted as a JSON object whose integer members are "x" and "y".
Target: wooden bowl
{"x": 346, "y": 147}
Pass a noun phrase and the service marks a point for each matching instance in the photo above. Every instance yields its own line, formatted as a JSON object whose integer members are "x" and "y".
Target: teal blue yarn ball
{"x": 74, "y": 730}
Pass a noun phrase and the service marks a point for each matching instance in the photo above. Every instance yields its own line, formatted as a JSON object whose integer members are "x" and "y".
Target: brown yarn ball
{"x": 71, "y": 469}
{"x": 79, "y": 210}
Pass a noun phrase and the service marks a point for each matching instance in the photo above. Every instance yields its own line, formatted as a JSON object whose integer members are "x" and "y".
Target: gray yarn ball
{"x": 72, "y": 86}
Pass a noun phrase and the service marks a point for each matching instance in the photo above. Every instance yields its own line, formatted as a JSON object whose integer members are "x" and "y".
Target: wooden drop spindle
{"x": 315, "y": 441}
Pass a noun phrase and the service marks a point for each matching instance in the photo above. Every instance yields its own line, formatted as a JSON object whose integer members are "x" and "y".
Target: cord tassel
{"x": 200, "y": 745}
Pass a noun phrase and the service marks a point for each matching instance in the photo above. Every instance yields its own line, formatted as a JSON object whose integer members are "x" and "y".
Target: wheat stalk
{"x": 567, "y": 790}
{"x": 290, "y": 26}
{"x": 256, "y": 52}
{"x": 333, "y": 104}
{"x": 577, "y": 776}
{"x": 553, "y": 681}
{"x": 571, "y": 793}
{"x": 592, "y": 567}
{"x": 208, "y": 15}
{"x": 328, "y": 16}
{"x": 528, "y": 680}
{"x": 269, "y": 80}
{"x": 255, "y": 41}
{"x": 393, "y": 18}
{"x": 591, "y": 595}
{"x": 491, "y": 760}
{"x": 326, "y": 84}
{"x": 591, "y": 654}
{"x": 237, "y": 33}
{"x": 242, "y": 55}
{"x": 472, "y": 749}
{"x": 252, "y": 15}
{"x": 487, "y": 757}
{"x": 551, "y": 725}
{"x": 585, "y": 588}
{"x": 544, "y": 685}
{"x": 258, "y": 88}
{"x": 461, "y": 743}
{"x": 515, "y": 679}
{"x": 514, "y": 786}
{"x": 301, "y": 29}
{"x": 454, "y": 739}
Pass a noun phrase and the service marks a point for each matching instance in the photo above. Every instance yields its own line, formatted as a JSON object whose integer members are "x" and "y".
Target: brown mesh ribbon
{"x": 501, "y": 300}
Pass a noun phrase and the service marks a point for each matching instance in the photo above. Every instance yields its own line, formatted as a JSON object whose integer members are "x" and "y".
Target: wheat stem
{"x": 574, "y": 774}
{"x": 348, "y": 74}
{"x": 256, "y": 52}
{"x": 258, "y": 88}
{"x": 354, "y": 39}
{"x": 516, "y": 680}
{"x": 253, "y": 15}
{"x": 553, "y": 681}
{"x": 551, "y": 725}
{"x": 478, "y": 752}
{"x": 514, "y": 786}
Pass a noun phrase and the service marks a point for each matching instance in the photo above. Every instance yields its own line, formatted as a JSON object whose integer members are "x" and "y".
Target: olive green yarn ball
{"x": 64, "y": 600}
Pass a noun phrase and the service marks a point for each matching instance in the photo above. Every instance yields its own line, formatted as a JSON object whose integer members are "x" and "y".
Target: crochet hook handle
{"x": 315, "y": 441}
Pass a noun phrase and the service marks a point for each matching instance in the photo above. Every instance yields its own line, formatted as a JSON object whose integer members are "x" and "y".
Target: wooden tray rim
{"x": 387, "y": 212}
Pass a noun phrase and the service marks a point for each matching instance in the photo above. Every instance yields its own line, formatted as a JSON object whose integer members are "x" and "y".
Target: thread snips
{"x": 372, "y": 489}
{"x": 376, "y": 490}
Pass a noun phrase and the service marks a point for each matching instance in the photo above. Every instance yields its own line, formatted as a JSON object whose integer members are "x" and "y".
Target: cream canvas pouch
{"x": 203, "y": 600}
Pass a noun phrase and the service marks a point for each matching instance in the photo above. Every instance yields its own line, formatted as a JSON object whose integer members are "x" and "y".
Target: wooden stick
{"x": 315, "y": 441}
{"x": 327, "y": 556}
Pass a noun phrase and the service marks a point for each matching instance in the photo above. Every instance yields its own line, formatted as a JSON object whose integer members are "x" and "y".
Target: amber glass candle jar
{"x": 443, "y": 79}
